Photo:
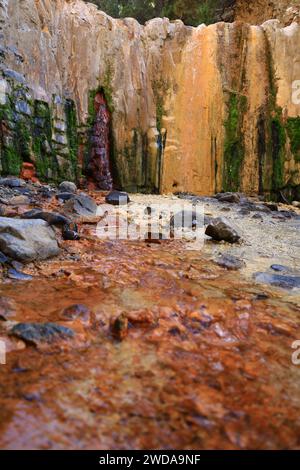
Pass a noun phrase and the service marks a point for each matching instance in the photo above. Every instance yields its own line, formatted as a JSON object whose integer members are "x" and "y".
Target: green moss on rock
{"x": 72, "y": 133}
{"x": 46, "y": 166}
{"x": 293, "y": 129}
{"x": 234, "y": 144}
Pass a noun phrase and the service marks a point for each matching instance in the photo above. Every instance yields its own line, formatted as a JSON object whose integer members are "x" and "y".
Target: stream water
{"x": 206, "y": 362}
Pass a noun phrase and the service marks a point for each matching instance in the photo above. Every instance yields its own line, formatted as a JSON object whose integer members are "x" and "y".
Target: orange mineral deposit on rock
{"x": 28, "y": 172}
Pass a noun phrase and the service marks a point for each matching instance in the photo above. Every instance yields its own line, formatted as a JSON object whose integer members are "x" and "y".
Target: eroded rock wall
{"x": 259, "y": 11}
{"x": 192, "y": 109}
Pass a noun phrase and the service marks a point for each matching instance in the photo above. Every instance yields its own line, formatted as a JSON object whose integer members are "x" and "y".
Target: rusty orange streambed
{"x": 206, "y": 362}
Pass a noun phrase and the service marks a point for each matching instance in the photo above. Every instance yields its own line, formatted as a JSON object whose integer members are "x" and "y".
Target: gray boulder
{"x": 37, "y": 333}
{"x": 67, "y": 187}
{"x": 27, "y": 240}
{"x": 81, "y": 205}
{"x": 228, "y": 197}
{"x": 12, "y": 182}
{"x": 117, "y": 198}
{"x": 220, "y": 229}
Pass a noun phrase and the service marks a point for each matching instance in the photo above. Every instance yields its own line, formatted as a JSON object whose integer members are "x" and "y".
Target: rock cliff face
{"x": 258, "y": 11}
{"x": 190, "y": 109}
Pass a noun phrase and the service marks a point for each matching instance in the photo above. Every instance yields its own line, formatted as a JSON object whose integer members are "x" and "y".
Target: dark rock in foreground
{"x": 220, "y": 229}
{"x": 36, "y": 333}
{"x": 117, "y": 198}
{"x": 70, "y": 232}
{"x": 51, "y": 217}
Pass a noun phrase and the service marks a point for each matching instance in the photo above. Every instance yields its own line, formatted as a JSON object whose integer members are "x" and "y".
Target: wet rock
{"x": 27, "y": 240}
{"x": 52, "y": 218}
{"x": 230, "y": 262}
{"x": 15, "y": 76}
{"x": 18, "y": 275}
{"x": 261, "y": 297}
{"x": 36, "y": 333}
{"x": 257, "y": 217}
{"x": 119, "y": 327}
{"x": 81, "y": 205}
{"x": 207, "y": 219}
{"x": 284, "y": 215}
{"x": 64, "y": 196}
{"x": 228, "y": 197}
{"x": 3, "y": 258}
{"x": 77, "y": 311}
{"x": 220, "y": 229}
{"x": 67, "y": 187}
{"x": 19, "y": 201}
{"x": 46, "y": 193}
{"x": 70, "y": 232}
{"x": 16, "y": 265}
{"x": 117, "y": 198}
{"x": 278, "y": 280}
{"x": 279, "y": 268}
{"x": 272, "y": 206}
{"x": 12, "y": 182}
{"x": 244, "y": 212}
{"x": 296, "y": 204}
{"x": 251, "y": 207}
{"x": 7, "y": 308}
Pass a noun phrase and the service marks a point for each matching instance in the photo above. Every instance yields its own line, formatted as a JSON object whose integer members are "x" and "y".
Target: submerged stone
{"x": 76, "y": 311}
{"x": 18, "y": 275}
{"x": 230, "y": 262}
{"x": 278, "y": 280}
{"x": 35, "y": 333}
{"x": 279, "y": 268}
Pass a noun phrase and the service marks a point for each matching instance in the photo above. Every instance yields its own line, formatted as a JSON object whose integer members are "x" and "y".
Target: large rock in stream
{"x": 220, "y": 229}
{"x": 27, "y": 240}
{"x": 80, "y": 205}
